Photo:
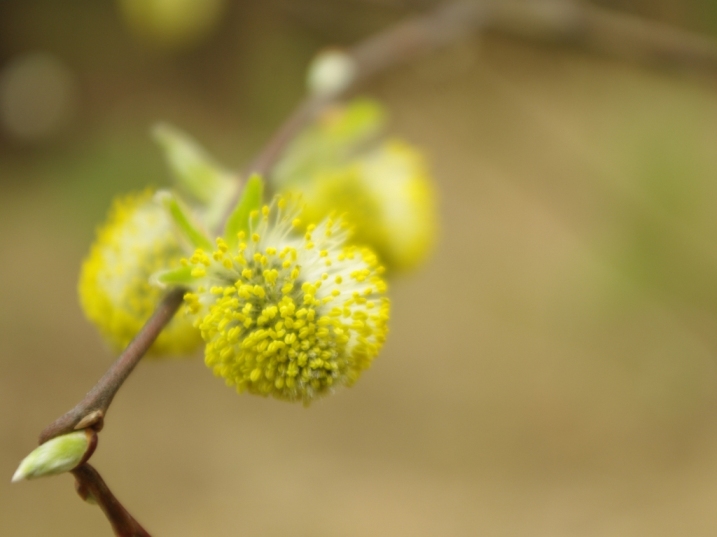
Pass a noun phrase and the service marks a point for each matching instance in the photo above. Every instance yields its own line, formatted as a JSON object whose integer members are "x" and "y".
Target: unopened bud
{"x": 330, "y": 73}
{"x": 56, "y": 456}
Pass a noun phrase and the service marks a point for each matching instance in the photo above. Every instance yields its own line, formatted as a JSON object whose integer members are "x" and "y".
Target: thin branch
{"x": 372, "y": 56}
{"x": 302, "y": 115}
{"x": 620, "y": 35}
{"x": 572, "y": 22}
{"x": 631, "y": 38}
{"x": 418, "y": 36}
{"x": 91, "y": 410}
{"x": 92, "y": 488}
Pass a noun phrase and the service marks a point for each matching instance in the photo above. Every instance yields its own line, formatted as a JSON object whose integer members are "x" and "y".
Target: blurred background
{"x": 551, "y": 371}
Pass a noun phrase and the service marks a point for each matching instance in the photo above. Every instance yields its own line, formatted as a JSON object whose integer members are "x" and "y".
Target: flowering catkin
{"x": 136, "y": 241}
{"x": 386, "y": 195}
{"x": 286, "y": 313}
{"x": 343, "y": 163}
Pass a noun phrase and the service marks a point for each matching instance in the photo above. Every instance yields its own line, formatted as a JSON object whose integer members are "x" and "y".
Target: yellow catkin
{"x": 288, "y": 324}
{"x": 386, "y": 196}
{"x": 114, "y": 286}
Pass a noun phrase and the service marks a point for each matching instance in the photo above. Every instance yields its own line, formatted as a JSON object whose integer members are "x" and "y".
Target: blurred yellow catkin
{"x": 343, "y": 165}
{"x": 289, "y": 313}
{"x": 116, "y": 295}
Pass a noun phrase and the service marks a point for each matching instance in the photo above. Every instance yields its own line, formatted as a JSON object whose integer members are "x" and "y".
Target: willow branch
{"x": 91, "y": 410}
{"x": 623, "y": 36}
{"x": 373, "y": 56}
{"x": 92, "y": 488}
{"x": 572, "y": 22}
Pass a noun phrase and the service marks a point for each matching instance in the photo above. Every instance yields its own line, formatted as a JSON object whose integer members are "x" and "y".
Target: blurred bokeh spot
{"x": 172, "y": 24}
{"x": 38, "y": 95}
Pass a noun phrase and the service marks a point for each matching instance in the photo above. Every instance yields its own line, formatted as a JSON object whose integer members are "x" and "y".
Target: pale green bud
{"x": 56, "y": 456}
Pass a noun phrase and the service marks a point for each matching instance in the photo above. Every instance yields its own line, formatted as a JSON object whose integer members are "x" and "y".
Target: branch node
{"x": 94, "y": 419}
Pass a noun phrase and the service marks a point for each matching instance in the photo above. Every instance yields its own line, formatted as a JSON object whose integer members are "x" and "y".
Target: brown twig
{"x": 623, "y": 36}
{"x": 302, "y": 115}
{"x": 92, "y": 488}
{"x": 418, "y": 36}
{"x": 372, "y": 56}
{"x": 91, "y": 410}
{"x": 573, "y": 22}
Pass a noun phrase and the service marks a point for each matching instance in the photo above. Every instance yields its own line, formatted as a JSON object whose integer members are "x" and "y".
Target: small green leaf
{"x": 194, "y": 170}
{"x": 250, "y": 200}
{"x": 180, "y": 277}
{"x": 332, "y": 140}
{"x": 184, "y": 222}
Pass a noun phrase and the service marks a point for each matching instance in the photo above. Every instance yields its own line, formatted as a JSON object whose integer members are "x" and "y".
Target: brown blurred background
{"x": 550, "y": 372}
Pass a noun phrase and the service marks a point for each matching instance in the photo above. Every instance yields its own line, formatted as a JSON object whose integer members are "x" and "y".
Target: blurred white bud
{"x": 38, "y": 96}
{"x": 331, "y": 72}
